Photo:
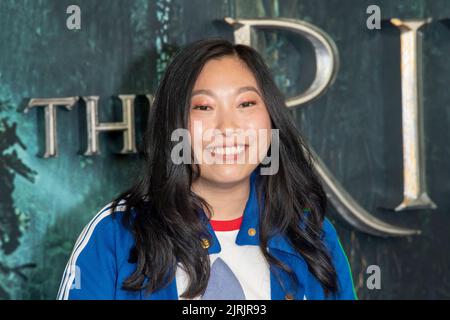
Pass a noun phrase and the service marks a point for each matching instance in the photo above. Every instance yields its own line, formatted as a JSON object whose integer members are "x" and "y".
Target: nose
{"x": 227, "y": 122}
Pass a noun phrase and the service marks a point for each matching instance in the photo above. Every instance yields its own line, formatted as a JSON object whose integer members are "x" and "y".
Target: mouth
{"x": 227, "y": 152}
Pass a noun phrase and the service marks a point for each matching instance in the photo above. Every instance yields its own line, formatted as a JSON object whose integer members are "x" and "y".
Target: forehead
{"x": 224, "y": 72}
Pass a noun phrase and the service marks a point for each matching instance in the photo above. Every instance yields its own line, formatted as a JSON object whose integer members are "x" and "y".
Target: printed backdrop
{"x": 123, "y": 47}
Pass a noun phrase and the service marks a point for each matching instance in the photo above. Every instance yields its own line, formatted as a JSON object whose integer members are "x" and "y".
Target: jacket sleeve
{"x": 91, "y": 271}
{"x": 346, "y": 290}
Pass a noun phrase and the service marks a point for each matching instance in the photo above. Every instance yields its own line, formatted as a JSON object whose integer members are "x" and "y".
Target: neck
{"x": 226, "y": 200}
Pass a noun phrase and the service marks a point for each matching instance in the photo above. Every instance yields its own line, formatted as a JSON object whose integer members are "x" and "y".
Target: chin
{"x": 230, "y": 173}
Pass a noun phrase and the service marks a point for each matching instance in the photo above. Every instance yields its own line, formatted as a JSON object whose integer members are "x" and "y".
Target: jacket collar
{"x": 250, "y": 220}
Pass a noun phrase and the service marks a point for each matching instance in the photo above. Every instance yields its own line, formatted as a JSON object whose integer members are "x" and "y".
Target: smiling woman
{"x": 229, "y": 104}
{"x": 215, "y": 230}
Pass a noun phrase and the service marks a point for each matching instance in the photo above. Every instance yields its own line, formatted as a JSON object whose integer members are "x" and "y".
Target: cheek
{"x": 260, "y": 122}
{"x": 200, "y": 131}
{"x": 196, "y": 134}
{"x": 261, "y": 125}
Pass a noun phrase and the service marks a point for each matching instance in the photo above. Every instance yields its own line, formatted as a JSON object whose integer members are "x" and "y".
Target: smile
{"x": 227, "y": 151}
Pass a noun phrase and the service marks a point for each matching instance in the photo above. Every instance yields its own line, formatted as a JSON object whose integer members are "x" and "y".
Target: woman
{"x": 204, "y": 221}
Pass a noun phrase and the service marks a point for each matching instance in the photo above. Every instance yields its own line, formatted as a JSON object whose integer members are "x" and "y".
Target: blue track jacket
{"x": 99, "y": 261}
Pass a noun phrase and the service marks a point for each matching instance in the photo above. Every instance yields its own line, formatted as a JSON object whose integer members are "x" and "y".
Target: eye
{"x": 201, "y": 108}
{"x": 247, "y": 104}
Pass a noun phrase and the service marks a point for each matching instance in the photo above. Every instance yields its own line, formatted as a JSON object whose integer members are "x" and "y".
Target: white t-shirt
{"x": 238, "y": 272}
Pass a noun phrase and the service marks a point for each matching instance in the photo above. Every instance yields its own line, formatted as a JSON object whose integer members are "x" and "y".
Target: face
{"x": 228, "y": 121}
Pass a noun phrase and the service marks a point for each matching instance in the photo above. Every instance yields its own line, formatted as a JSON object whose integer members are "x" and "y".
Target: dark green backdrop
{"x": 123, "y": 48}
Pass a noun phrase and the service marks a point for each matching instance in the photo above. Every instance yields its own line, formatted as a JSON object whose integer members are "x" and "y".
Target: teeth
{"x": 228, "y": 150}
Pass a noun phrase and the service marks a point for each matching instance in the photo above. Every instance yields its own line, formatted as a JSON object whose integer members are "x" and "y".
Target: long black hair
{"x": 166, "y": 225}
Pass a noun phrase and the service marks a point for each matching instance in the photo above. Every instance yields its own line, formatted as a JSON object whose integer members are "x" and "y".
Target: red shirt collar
{"x": 226, "y": 225}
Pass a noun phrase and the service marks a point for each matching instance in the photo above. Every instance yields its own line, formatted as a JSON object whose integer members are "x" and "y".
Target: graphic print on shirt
{"x": 223, "y": 284}
{"x": 237, "y": 272}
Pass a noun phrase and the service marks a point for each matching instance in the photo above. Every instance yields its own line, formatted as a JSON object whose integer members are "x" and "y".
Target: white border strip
{"x": 80, "y": 244}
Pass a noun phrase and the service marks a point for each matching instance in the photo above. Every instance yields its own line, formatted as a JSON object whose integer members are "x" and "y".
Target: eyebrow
{"x": 238, "y": 91}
